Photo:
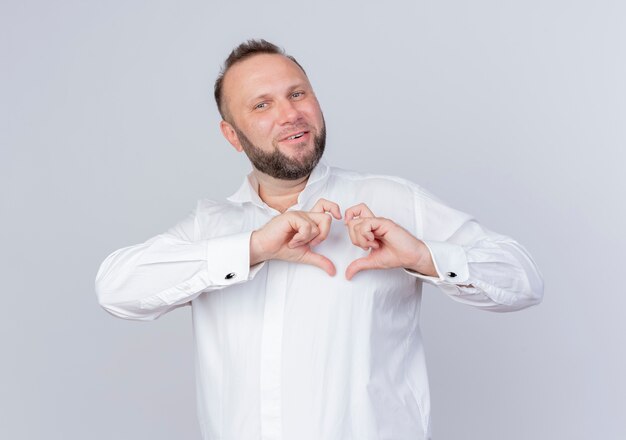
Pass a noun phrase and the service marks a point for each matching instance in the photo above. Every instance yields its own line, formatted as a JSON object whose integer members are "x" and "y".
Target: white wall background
{"x": 514, "y": 111}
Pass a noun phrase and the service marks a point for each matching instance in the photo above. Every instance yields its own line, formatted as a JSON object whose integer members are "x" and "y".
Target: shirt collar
{"x": 248, "y": 191}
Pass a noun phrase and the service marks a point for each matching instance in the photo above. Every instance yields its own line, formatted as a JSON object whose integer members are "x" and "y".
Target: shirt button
{"x": 229, "y": 276}
{"x": 451, "y": 274}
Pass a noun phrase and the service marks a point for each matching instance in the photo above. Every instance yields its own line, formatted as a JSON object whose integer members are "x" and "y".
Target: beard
{"x": 280, "y": 166}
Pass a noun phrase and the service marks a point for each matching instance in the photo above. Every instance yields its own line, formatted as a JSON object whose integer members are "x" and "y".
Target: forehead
{"x": 261, "y": 74}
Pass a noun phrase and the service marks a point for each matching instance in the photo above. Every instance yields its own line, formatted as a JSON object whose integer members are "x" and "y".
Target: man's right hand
{"x": 291, "y": 235}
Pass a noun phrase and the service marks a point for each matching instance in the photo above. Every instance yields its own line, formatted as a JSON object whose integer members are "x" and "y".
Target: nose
{"x": 288, "y": 113}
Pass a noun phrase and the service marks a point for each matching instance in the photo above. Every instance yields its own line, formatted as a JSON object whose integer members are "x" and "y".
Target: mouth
{"x": 296, "y": 136}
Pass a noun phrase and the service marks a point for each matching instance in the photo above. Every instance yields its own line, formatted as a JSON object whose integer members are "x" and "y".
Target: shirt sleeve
{"x": 474, "y": 265}
{"x": 169, "y": 270}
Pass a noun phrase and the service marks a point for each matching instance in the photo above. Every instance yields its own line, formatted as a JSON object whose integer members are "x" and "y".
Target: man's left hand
{"x": 391, "y": 245}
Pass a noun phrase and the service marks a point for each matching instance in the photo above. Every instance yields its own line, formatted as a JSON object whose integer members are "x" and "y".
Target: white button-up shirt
{"x": 284, "y": 351}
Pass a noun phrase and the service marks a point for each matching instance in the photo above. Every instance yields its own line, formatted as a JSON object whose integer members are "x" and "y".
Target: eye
{"x": 260, "y": 106}
{"x": 298, "y": 94}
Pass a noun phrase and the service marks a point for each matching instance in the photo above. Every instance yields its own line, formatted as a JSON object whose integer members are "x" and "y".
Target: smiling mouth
{"x": 295, "y": 136}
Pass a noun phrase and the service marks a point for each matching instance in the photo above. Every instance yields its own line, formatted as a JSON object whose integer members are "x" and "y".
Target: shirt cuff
{"x": 228, "y": 259}
{"x": 450, "y": 263}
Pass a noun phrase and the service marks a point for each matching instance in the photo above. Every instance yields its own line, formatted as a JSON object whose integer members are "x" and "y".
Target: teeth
{"x": 296, "y": 136}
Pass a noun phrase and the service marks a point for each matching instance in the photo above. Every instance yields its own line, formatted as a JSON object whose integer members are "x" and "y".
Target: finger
{"x": 320, "y": 261}
{"x": 376, "y": 227}
{"x": 324, "y": 224}
{"x": 361, "y": 234}
{"x": 358, "y": 265}
{"x": 351, "y": 231}
{"x": 306, "y": 231}
{"x": 323, "y": 205}
{"x": 364, "y": 230}
{"x": 360, "y": 210}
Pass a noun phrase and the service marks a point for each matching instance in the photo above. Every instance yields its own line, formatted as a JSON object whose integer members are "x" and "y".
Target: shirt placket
{"x": 271, "y": 351}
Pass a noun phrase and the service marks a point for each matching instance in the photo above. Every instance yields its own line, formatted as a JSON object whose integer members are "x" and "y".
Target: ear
{"x": 231, "y": 135}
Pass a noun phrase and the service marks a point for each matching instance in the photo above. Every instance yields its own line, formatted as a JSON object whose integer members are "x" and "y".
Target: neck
{"x": 277, "y": 193}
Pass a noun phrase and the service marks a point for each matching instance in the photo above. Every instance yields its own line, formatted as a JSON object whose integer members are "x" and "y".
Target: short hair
{"x": 242, "y": 52}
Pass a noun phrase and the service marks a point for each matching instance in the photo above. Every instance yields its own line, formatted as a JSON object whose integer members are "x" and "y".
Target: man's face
{"x": 273, "y": 116}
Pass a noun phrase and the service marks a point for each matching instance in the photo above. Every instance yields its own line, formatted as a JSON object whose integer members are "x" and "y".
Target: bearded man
{"x": 305, "y": 284}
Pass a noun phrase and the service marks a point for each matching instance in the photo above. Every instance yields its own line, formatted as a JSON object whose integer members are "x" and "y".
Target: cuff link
{"x": 451, "y": 275}
{"x": 230, "y": 275}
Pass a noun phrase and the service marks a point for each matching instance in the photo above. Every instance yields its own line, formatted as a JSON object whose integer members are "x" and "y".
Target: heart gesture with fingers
{"x": 291, "y": 235}
{"x": 391, "y": 245}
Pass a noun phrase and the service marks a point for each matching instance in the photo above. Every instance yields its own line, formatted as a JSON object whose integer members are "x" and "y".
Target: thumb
{"x": 320, "y": 261}
{"x": 359, "y": 265}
